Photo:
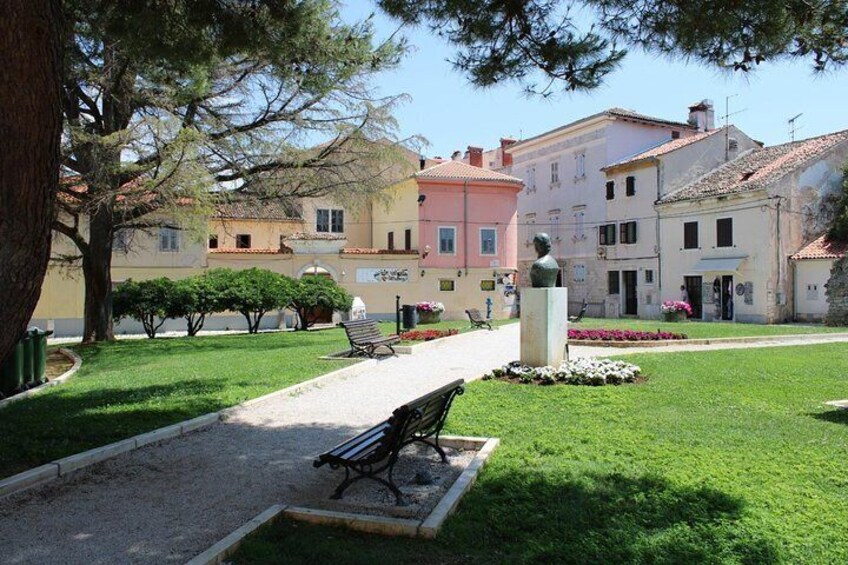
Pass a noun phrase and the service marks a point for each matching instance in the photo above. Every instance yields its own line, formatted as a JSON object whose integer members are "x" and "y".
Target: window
{"x": 580, "y": 273}
{"x": 724, "y": 232}
{"x": 553, "y": 220}
{"x": 243, "y": 241}
{"x": 530, "y": 221}
{"x": 579, "y": 224}
{"x": 487, "y": 285}
{"x": 121, "y": 241}
{"x": 488, "y": 241}
{"x": 407, "y": 240}
{"x": 630, "y": 186}
{"x": 555, "y": 172}
{"x": 447, "y": 238}
{"x": 580, "y": 165}
{"x": 649, "y": 276}
{"x": 213, "y": 241}
{"x": 606, "y": 234}
{"x": 690, "y": 235}
{"x": 447, "y": 285}
{"x": 628, "y": 232}
{"x": 391, "y": 241}
{"x": 169, "y": 240}
{"x": 531, "y": 179}
{"x": 329, "y": 221}
{"x": 610, "y": 189}
{"x": 675, "y": 134}
{"x": 612, "y": 282}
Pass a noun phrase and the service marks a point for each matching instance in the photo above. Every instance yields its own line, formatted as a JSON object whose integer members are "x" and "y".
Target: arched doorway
{"x": 322, "y": 315}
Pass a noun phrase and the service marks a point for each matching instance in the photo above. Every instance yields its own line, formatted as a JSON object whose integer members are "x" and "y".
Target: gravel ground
{"x": 168, "y": 502}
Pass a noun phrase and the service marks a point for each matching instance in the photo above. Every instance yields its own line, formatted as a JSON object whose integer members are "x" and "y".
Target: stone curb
{"x": 359, "y": 522}
{"x": 77, "y": 360}
{"x": 227, "y": 546}
{"x": 707, "y": 341}
{"x": 63, "y": 467}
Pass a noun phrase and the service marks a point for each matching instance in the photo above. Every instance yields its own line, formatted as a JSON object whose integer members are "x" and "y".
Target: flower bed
{"x": 581, "y": 371}
{"x": 429, "y": 312}
{"x": 622, "y": 335}
{"x": 427, "y": 335}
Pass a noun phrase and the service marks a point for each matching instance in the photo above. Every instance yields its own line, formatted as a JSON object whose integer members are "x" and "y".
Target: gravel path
{"x": 168, "y": 502}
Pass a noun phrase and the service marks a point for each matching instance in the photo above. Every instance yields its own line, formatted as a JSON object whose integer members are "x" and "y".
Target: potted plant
{"x": 429, "y": 312}
{"x": 676, "y": 310}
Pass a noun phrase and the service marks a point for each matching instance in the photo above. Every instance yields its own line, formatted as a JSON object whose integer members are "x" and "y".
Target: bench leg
{"x": 348, "y": 480}
{"x": 435, "y": 445}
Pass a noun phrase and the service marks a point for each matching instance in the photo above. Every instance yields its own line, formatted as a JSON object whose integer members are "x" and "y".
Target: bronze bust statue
{"x": 543, "y": 273}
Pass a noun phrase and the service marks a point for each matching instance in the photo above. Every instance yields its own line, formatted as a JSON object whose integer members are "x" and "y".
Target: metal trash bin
{"x": 12, "y": 371}
{"x": 29, "y": 367}
{"x": 39, "y": 354}
{"x": 409, "y": 316}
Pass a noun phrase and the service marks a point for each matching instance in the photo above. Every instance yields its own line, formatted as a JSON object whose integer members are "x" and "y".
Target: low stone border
{"x": 427, "y": 528}
{"x": 838, "y": 404}
{"x": 401, "y": 349}
{"x": 65, "y": 466}
{"x": 227, "y": 546}
{"x": 77, "y": 360}
{"x": 703, "y": 341}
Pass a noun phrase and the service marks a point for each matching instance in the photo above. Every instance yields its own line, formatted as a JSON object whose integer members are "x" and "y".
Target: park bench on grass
{"x": 377, "y": 450}
{"x": 365, "y": 337}
{"x": 477, "y": 319}
{"x": 578, "y": 317}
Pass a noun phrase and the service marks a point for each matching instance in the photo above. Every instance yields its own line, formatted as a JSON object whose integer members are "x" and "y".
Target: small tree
{"x": 145, "y": 301}
{"x": 310, "y": 294}
{"x": 839, "y": 228}
{"x": 253, "y": 293}
{"x": 195, "y": 298}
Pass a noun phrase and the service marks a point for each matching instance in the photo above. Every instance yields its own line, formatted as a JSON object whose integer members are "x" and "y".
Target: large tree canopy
{"x": 166, "y": 99}
{"x": 546, "y": 44}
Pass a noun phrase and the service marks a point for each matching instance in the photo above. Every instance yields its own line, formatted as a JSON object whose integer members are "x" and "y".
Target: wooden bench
{"x": 376, "y": 450}
{"x": 365, "y": 337}
{"x": 578, "y": 317}
{"x": 477, "y": 319}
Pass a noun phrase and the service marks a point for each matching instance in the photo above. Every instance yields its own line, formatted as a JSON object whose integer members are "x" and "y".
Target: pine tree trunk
{"x": 97, "y": 269}
{"x": 30, "y": 126}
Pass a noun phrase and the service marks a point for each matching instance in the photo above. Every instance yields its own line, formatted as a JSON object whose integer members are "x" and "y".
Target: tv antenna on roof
{"x": 792, "y": 129}
{"x": 727, "y": 114}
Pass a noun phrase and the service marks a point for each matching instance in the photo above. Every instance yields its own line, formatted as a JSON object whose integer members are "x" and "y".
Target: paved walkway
{"x": 166, "y": 503}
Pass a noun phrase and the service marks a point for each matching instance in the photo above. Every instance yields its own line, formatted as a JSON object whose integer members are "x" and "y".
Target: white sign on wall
{"x": 367, "y": 275}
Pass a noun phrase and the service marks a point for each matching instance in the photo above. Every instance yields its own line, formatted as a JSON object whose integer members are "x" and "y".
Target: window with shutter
{"x": 724, "y": 232}
{"x": 407, "y": 240}
{"x": 612, "y": 282}
{"x": 610, "y": 189}
{"x": 243, "y": 241}
{"x": 630, "y": 186}
{"x": 606, "y": 234}
{"x": 391, "y": 241}
{"x": 213, "y": 241}
{"x": 690, "y": 235}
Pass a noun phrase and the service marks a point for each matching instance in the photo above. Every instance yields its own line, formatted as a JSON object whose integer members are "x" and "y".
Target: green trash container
{"x": 29, "y": 372}
{"x": 12, "y": 372}
{"x": 39, "y": 354}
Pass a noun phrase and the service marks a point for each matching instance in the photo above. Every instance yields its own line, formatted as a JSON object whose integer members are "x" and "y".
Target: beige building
{"x": 728, "y": 236}
{"x": 811, "y": 268}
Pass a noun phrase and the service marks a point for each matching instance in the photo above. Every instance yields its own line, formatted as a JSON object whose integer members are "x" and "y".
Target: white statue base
{"x": 544, "y": 326}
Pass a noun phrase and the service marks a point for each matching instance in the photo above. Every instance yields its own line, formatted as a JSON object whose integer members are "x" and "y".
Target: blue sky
{"x": 452, "y": 114}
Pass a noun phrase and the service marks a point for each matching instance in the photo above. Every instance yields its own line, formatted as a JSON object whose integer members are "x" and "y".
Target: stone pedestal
{"x": 544, "y": 326}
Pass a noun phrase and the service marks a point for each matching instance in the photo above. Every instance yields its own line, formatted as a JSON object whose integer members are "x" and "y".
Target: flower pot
{"x": 674, "y": 316}
{"x": 429, "y": 317}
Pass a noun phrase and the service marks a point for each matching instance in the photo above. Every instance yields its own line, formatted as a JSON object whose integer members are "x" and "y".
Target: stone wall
{"x": 837, "y": 294}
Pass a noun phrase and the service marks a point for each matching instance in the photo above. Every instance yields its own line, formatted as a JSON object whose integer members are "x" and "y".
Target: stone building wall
{"x": 837, "y": 294}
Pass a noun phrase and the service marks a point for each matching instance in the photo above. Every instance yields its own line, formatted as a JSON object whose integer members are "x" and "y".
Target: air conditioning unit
{"x": 602, "y": 252}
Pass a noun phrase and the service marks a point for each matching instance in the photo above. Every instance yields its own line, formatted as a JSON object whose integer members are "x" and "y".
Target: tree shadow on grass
{"x": 833, "y": 416}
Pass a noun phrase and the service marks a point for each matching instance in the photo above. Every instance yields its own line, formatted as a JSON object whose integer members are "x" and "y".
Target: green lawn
{"x": 721, "y": 457}
{"x": 134, "y": 386}
{"x": 704, "y": 329}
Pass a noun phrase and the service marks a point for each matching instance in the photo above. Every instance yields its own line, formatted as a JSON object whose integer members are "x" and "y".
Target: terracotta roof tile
{"x": 374, "y": 251}
{"x": 266, "y": 210}
{"x": 755, "y": 169}
{"x": 457, "y": 170}
{"x": 822, "y": 249}
{"x": 273, "y": 250}
{"x": 663, "y": 148}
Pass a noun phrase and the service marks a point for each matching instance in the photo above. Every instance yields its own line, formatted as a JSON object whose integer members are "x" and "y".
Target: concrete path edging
{"x": 227, "y": 546}
{"x": 67, "y": 465}
{"x": 77, "y": 363}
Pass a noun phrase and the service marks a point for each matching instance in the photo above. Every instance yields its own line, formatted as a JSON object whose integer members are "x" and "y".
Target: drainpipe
{"x": 659, "y": 234}
{"x": 465, "y": 225}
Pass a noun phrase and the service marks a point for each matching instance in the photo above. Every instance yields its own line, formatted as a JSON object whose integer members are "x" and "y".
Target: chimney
{"x": 422, "y": 162}
{"x": 702, "y": 115}
{"x": 475, "y": 156}
{"x": 506, "y": 158}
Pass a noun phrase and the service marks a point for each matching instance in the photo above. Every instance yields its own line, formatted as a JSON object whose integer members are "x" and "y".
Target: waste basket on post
{"x": 408, "y": 316}
{"x": 29, "y": 368}
{"x": 39, "y": 354}
{"x": 12, "y": 371}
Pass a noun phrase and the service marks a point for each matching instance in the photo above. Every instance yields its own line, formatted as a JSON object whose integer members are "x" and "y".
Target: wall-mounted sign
{"x": 366, "y": 275}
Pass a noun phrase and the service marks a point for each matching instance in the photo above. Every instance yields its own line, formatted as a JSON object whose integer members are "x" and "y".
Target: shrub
{"x": 144, "y": 301}
{"x": 311, "y": 294}
{"x": 622, "y": 335}
{"x": 581, "y": 371}
{"x": 427, "y": 335}
{"x": 251, "y": 292}
{"x": 197, "y": 297}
